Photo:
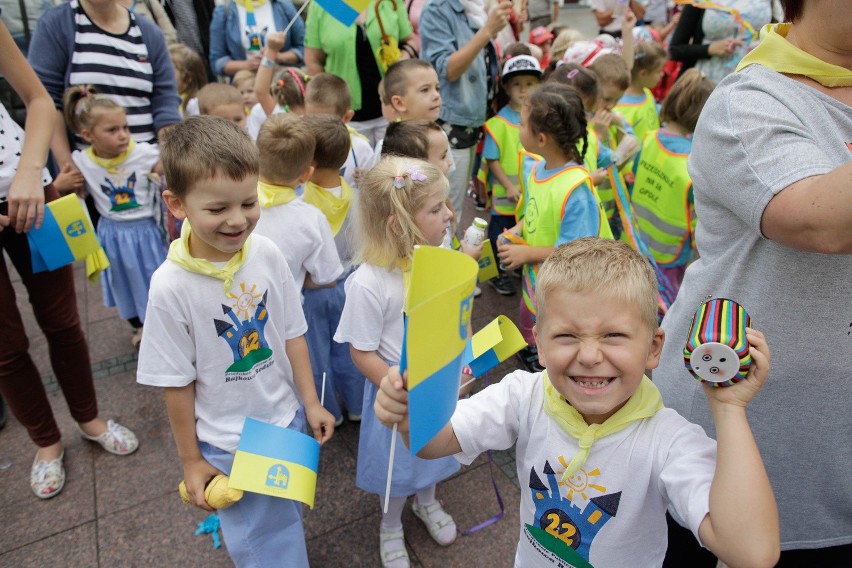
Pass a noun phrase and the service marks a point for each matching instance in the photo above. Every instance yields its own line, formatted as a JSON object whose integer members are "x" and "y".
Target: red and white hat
{"x": 539, "y": 35}
{"x": 585, "y": 52}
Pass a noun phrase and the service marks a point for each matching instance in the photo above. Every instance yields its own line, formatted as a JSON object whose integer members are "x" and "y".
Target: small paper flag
{"x": 276, "y": 461}
{"x": 344, "y": 11}
{"x": 487, "y": 262}
{"x": 438, "y": 310}
{"x": 492, "y": 345}
{"x": 66, "y": 234}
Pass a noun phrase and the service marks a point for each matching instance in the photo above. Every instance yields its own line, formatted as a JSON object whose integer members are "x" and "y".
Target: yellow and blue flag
{"x": 276, "y": 461}
{"x": 344, "y": 11}
{"x": 487, "y": 262}
{"x": 438, "y": 308}
{"x": 66, "y": 234}
{"x": 492, "y": 345}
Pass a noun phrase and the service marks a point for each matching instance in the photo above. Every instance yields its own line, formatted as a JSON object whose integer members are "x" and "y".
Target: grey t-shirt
{"x": 760, "y": 132}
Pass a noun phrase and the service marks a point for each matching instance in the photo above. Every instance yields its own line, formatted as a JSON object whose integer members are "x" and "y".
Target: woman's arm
{"x": 158, "y": 13}
{"x": 314, "y": 61}
{"x": 26, "y": 194}
{"x": 686, "y": 43}
{"x": 296, "y": 54}
{"x": 165, "y": 101}
{"x": 461, "y": 59}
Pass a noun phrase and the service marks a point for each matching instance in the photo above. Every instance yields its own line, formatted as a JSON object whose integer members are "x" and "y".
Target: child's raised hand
{"x": 629, "y": 21}
{"x": 744, "y": 391}
{"x": 321, "y": 422}
{"x": 471, "y": 251}
{"x": 391, "y": 406}
{"x": 197, "y": 474}
{"x": 275, "y": 41}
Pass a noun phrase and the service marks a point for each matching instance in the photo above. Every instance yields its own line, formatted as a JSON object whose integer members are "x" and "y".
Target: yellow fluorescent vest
{"x": 643, "y": 116}
{"x": 660, "y": 198}
{"x": 543, "y": 212}
{"x": 507, "y": 137}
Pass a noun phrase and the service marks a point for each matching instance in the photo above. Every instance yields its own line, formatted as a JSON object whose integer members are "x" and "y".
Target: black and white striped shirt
{"x": 117, "y": 65}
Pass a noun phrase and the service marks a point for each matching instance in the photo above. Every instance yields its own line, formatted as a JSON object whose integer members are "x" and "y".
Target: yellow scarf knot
{"x": 180, "y": 255}
{"x": 110, "y": 164}
{"x": 270, "y": 195}
{"x": 334, "y": 208}
{"x": 644, "y": 403}
{"x": 778, "y": 54}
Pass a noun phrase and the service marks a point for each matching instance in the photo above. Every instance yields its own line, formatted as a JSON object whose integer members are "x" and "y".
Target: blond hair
{"x": 329, "y": 91}
{"x": 563, "y": 41}
{"x": 213, "y": 95}
{"x": 204, "y": 147}
{"x": 686, "y": 99}
{"x": 611, "y": 70}
{"x": 190, "y": 67}
{"x": 286, "y": 148}
{"x": 243, "y": 75}
{"x": 387, "y": 232}
{"x": 610, "y": 267}
{"x": 81, "y": 104}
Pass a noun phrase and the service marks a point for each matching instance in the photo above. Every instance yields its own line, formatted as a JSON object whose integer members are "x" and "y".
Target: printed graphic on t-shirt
{"x": 563, "y": 531}
{"x": 123, "y": 195}
{"x": 244, "y": 333}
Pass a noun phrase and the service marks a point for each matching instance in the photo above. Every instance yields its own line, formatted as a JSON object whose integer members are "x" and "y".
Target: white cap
{"x": 521, "y": 65}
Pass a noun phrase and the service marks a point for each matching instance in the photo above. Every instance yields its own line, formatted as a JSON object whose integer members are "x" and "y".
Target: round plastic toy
{"x": 716, "y": 351}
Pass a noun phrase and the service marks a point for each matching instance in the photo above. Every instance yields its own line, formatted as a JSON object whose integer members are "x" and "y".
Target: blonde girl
{"x": 190, "y": 76}
{"x": 117, "y": 172}
{"x": 637, "y": 105}
{"x": 402, "y": 203}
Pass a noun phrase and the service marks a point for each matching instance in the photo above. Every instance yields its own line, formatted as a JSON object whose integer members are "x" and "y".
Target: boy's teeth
{"x": 592, "y": 383}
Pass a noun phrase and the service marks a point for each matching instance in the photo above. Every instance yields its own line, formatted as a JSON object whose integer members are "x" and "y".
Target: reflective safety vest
{"x": 507, "y": 137}
{"x": 643, "y": 117}
{"x": 660, "y": 197}
{"x": 605, "y": 194}
{"x": 543, "y": 212}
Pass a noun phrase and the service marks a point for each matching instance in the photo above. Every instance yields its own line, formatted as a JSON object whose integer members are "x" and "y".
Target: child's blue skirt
{"x": 135, "y": 249}
{"x": 410, "y": 474}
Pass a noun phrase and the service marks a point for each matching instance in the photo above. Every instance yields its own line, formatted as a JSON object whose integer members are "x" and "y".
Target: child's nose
{"x": 589, "y": 354}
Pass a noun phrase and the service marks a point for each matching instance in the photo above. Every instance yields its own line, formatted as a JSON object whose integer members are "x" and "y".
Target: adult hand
{"x": 723, "y": 47}
{"x": 275, "y": 41}
{"x": 252, "y": 61}
{"x": 498, "y": 17}
{"x": 26, "y": 201}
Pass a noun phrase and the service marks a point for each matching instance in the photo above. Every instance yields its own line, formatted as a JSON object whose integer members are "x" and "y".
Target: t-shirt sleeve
{"x": 490, "y": 150}
{"x": 362, "y": 320}
{"x": 580, "y": 216}
{"x": 167, "y": 356}
{"x": 490, "y": 419}
{"x": 688, "y": 463}
{"x": 754, "y": 147}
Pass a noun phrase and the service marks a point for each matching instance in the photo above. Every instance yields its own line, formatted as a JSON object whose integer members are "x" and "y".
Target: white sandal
{"x": 47, "y": 478}
{"x": 116, "y": 439}
{"x": 394, "y": 558}
{"x": 443, "y": 528}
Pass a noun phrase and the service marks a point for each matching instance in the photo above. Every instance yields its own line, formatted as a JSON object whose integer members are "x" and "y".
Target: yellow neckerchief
{"x": 334, "y": 208}
{"x": 778, "y": 54}
{"x": 250, "y": 5}
{"x": 644, "y": 403}
{"x": 270, "y": 195}
{"x": 111, "y": 164}
{"x": 179, "y": 254}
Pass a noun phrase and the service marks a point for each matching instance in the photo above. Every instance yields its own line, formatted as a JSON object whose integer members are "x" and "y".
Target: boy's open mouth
{"x": 592, "y": 382}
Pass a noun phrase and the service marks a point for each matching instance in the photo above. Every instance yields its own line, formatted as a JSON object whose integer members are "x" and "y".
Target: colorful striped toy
{"x": 716, "y": 351}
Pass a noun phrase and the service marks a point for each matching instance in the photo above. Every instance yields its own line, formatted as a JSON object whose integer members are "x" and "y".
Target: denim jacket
{"x": 226, "y": 40}
{"x": 444, "y": 29}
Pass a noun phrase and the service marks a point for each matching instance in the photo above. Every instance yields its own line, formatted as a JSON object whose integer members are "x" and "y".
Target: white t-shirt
{"x": 257, "y": 117}
{"x": 232, "y": 346}
{"x": 11, "y": 142}
{"x": 264, "y": 22}
{"x": 613, "y": 510}
{"x": 618, "y": 14}
{"x": 128, "y": 194}
{"x": 302, "y": 234}
{"x": 372, "y": 316}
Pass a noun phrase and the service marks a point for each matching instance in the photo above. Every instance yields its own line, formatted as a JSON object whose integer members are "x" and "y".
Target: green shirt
{"x": 338, "y": 41}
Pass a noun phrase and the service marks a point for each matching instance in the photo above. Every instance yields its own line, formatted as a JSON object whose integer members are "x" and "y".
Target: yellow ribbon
{"x": 110, "y": 164}
{"x": 778, "y": 54}
{"x": 249, "y": 5}
{"x": 180, "y": 255}
{"x": 334, "y": 208}
{"x": 270, "y": 195}
{"x": 644, "y": 403}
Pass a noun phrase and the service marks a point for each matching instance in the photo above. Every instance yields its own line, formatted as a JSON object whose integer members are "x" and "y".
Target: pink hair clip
{"x": 416, "y": 174}
{"x": 572, "y": 73}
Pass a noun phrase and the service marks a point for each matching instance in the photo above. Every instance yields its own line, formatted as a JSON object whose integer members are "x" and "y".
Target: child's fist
{"x": 275, "y": 41}
{"x": 391, "y": 405}
{"x": 741, "y": 393}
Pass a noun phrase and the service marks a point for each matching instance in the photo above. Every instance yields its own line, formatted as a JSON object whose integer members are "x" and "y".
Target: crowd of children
{"x": 288, "y": 278}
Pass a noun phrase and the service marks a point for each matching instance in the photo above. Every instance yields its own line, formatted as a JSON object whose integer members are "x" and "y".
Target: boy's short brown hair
{"x": 203, "y": 147}
{"x": 611, "y": 70}
{"x": 332, "y": 140}
{"x": 329, "y": 91}
{"x": 409, "y": 138}
{"x": 286, "y": 148}
{"x": 610, "y": 267}
{"x": 214, "y": 95}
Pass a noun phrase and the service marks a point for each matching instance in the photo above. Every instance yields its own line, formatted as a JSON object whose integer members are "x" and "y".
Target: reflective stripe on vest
{"x": 507, "y": 138}
{"x": 660, "y": 198}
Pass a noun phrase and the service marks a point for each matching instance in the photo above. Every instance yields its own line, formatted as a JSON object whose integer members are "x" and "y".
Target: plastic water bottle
{"x": 475, "y": 234}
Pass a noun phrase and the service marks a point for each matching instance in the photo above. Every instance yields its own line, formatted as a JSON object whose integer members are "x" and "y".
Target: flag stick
{"x": 322, "y": 396}
{"x": 296, "y": 17}
{"x": 390, "y": 470}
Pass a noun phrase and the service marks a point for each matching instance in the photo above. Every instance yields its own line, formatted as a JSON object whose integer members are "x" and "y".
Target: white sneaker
{"x": 392, "y": 549}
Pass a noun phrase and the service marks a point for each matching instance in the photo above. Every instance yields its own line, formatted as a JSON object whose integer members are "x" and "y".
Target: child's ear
{"x": 542, "y": 139}
{"x": 397, "y": 104}
{"x": 86, "y": 135}
{"x": 542, "y": 357}
{"x": 306, "y": 175}
{"x": 655, "y": 349}
{"x": 174, "y": 204}
{"x": 348, "y": 116}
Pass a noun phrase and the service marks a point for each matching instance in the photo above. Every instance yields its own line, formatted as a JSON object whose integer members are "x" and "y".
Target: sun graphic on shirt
{"x": 581, "y": 482}
{"x": 246, "y": 301}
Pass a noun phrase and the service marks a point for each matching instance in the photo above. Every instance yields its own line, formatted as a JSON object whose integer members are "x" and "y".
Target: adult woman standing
{"x": 713, "y": 40}
{"x": 455, "y": 36}
{"x": 352, "y": 53}
{"x": 24, "y": 188}
{"x": 239, "y": 27}
{"x": 771, "y": 168}
{"x": 101, "y": 43}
